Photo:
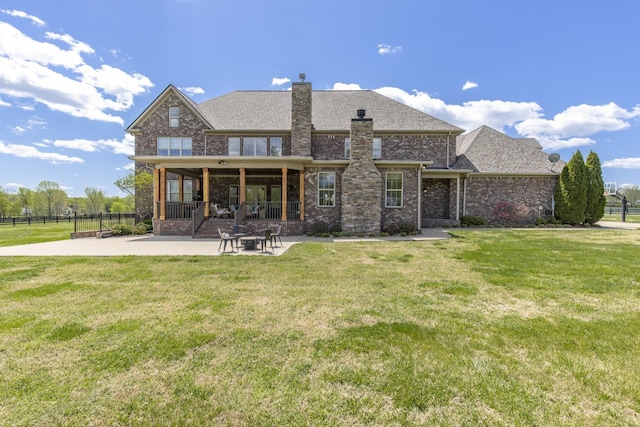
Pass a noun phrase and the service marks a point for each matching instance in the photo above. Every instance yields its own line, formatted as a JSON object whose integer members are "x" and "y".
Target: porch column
{"x": 243, "y": 185}
{"x": 156, "y": 192}
{"x": 163, "y": 192}
{"x": 302, "y": 195}
{"x": 181, "y": 188}
{"x": 284, "y": 194}
{"x": 205, "y": 191}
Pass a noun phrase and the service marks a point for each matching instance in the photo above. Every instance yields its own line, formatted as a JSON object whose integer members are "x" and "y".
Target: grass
{"x": 501, "y": 327}
{"x": 23, "y": 234}
{"x": 618, "y": 217}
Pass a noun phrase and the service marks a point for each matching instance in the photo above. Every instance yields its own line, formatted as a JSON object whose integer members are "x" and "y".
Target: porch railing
{"x": 248, "y": 211}
{"x": 198, "y": 218}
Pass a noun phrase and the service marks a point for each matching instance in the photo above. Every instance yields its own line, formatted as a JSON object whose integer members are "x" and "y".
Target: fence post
{"x": 75, "y": 222}
{"x": 29, "y": 220}
{"x": 14, "y": 221}
{"x": 100, "y": 217}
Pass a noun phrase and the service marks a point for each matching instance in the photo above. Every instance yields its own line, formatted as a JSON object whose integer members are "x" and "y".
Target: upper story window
{"x": 326, "y": 188}
{"x": 174, "y": 146}
{"x": 377, "y": 148}
{"x": 275, "y": 146}
{"x": 255, "y": 146}
{"x": 174, "y": 117}
{"x": 393, "y": 190}
{"x": 234, "y": 146}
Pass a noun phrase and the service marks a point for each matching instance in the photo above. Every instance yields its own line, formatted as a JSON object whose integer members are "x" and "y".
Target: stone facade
{"x": 483, "y": 193}
{"x": 301, "y": 119}
{"x": 361, "y": 204}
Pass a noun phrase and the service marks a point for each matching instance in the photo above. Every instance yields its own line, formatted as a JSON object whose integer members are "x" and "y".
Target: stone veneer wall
{"x": 301, "y": 119}
{"x": 361, "y": 202}
{"x": 482, "y": 194}
{"x": 408, "y": 213}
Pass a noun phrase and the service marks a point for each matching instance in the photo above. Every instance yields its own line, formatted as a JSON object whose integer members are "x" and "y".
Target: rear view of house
{"x": 352, "y": 161}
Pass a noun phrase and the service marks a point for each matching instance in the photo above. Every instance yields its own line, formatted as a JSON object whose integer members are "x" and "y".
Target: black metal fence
{"x": 102, "y": 221}
{"x": 35, "y": 220}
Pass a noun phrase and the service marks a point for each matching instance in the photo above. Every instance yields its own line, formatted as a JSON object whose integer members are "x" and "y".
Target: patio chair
{"x": 276, "y": 235}
{"x": 255, "y": 211}
{"x": 225, "y": 237}
{"x": 264, "y": 239}
{"x": 218, "y": 213}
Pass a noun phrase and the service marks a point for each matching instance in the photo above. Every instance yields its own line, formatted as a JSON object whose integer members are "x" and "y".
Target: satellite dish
{"x": 553, "y": 158}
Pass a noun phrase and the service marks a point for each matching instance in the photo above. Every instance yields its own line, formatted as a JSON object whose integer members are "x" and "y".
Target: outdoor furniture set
{"x": 240, "y": 235}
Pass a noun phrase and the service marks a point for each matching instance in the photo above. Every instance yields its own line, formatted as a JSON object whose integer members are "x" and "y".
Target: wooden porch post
{"x": 205, "y": 191}
{"x": 163, "y": 192}
{"x": 284, "y": 194}
{"x": 302, "y": 195}
{"x": 180, "y": 188}
{"x": 243, "y": 184}
{"x": 156, "y": 192}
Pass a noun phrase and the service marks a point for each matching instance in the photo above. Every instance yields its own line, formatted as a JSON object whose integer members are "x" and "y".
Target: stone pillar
{"x": 301, "y": 118}
{"x": 361, "y": 181}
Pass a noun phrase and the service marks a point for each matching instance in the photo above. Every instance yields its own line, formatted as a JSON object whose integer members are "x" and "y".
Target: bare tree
{"x": 632, "y": 193}
{"x": 95, "y": 200}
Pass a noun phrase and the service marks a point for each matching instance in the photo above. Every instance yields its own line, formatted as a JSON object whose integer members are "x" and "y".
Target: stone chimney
{"x": 301, "y": 118}
{"x": 361, "y": 181}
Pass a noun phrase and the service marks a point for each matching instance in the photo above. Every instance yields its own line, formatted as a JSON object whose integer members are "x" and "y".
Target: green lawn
{"x": 500, "y": 327}
{"x": 618, "y": 217}
{"x": 23, "y": 234}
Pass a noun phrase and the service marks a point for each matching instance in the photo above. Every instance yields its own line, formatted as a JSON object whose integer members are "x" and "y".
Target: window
{"x": 173, "y": 190}
{"x": 174, "y": 146}
{"x": 394, "y": 190}
{"x": 234, "y": 146}
{"x": 326, "y": 188}
{"x": 275, "y": 148}
{"x": 377, "y": 148}
{"x": 234, "y": 195}
{"x": 254, "y": 146}
{"x": 174, "y": 117}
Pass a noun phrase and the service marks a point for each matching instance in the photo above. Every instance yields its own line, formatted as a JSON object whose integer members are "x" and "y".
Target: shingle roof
{"x": 331, "y": 111}
{"x": 490, "y": 151}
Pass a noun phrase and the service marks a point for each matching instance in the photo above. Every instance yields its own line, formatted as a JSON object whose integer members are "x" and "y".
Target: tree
{"x": 25, "y": 200}
{"x": 571, "y": 192}
{"x": 4, "y": 203}
{"x": 139, "y": 184}
{"x": 632, "y": 193}
{"x": 95, "y": 200}
{"x": 596, "y": 199}
{"x": 50, "y": 197}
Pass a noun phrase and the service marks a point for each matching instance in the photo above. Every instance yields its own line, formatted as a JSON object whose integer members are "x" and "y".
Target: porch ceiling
{"x": 224, "y": 162}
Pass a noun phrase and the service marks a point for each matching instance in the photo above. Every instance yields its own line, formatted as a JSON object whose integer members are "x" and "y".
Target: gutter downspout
{"x": 420, "y": 196}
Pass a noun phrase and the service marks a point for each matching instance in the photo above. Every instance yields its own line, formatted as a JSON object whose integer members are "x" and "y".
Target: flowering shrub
{"x": 510, "y": 212}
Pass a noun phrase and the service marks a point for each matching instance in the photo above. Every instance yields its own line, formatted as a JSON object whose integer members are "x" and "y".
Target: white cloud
{"x": 385, "y": 49}
{"x": 124, "y": 146}
{"x": 20, "y": 14}
{"x": 59, "y": 77}
{"x": 191, "y": 91}
{"x": 346, "y": 86}
{"x": 29, "y": 152}
{"x": 625, "y": 163}
{"x": 13, "y": 185}
{"x": 4, "y": 104}
{"x": 279, "y": 82}
{"x": 128, "y": 167}
{"x": 470, "y": 115}
{"x": 469, "y": 85}
{"x": 18, "y": 130}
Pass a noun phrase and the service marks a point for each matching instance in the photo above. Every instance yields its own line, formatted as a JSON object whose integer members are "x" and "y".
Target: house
{"x": 352, "y": 161}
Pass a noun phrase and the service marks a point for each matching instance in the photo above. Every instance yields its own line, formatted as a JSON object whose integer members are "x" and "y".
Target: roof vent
{"x": 361, "y": 113}
{"x": 302, "y": 76}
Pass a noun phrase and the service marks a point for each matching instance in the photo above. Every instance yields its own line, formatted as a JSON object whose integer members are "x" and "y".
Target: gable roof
{"x": 331, "y": 111}
{"x": 487, "y": 150}
{"x": 169, "y": 90}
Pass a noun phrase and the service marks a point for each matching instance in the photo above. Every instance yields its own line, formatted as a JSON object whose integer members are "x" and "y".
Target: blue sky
{"x": 75, "y": 74}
